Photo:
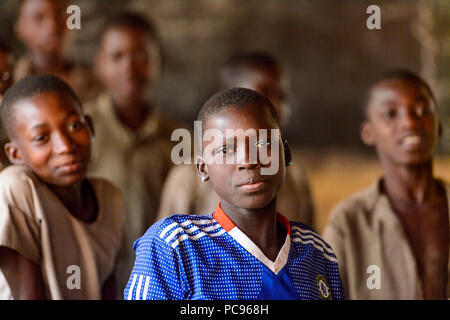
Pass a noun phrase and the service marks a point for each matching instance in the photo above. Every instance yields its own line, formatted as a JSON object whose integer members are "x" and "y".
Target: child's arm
{"x": 23, "y": 275}
{"x": 158, "y": 273}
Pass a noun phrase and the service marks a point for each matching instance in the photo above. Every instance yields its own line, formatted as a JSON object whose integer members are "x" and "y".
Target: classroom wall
{"x": 326, "y": 50}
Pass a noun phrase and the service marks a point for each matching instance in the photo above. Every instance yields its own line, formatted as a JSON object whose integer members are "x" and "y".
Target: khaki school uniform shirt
{"x": 185, "y": 193}
{"x": 364, "y": 231}
{"x": 80, "y": 79}
{"x": 36, "y": 224}
{"x": 138, "y": 163}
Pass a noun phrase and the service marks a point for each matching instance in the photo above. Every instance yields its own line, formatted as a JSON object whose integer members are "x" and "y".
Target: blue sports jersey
{"x": 209, "y": 257}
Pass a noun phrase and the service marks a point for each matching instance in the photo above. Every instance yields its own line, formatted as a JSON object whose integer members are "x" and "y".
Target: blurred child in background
{"x": 133, "y": 145}
{"x": 392, "y": 239}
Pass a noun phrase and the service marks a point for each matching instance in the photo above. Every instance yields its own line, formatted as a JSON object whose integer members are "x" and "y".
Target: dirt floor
{"x": 334, "y": 175}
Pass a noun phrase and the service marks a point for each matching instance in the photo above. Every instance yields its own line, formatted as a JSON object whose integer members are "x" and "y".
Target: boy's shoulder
{"x": 17, "y": 179}
{"x": 304, "y": 234}
{"x": 360, "y": 204}
{"x": 178, "y": 227}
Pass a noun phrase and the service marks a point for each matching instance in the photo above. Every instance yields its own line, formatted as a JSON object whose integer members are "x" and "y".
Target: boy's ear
{"x": 366, "y": 134}
{"x": 13, "y": 153}
{"x": 202, "y": 168}
{"x": 287, "y": 154}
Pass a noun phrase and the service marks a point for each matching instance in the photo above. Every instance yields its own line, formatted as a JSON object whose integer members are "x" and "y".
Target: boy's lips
{"x": 411, "y": 142}
{"x": 254, "y": 183}
{"x": 71, "y": 166}
{"x": 253, "y": 186}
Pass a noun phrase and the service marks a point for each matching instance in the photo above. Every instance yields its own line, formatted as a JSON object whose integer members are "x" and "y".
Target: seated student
{"x": 245, "y": 249}
{"x": 6, "y": 80}
{"x": 60, "y": 232}
{"x": 41, "y": 25}
{"x": 185, "y": 193}
{"x": 133, "y": 145}
{"x": 392, "y": 239}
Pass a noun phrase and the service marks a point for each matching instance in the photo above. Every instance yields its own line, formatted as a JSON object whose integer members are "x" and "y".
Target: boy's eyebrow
{"x": 72, "y": 113}
{"x": 39, "y": 125}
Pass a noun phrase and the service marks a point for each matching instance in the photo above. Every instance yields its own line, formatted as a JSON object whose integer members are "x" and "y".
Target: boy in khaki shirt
{"x": 133, "y": 144}
{"x": 41, "y": 26}
{"x": 60, "y": 232}
{"x": 392, "y": 240}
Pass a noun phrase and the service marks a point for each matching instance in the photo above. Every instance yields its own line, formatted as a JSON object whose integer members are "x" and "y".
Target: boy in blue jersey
{"x": 245, "y": 249}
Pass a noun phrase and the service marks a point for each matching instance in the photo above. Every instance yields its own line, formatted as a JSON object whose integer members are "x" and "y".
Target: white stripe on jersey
{"x": 147, "y": 280}
{"x": 325, "y": 254}
{"x": 138, "y": 290}
{"x": 130, "y": 291}
{"x": 197, "y": 236}
{"x": 311, "y": 234}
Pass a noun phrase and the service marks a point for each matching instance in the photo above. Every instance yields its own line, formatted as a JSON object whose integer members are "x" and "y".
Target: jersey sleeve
{"x": 157, "y": 273}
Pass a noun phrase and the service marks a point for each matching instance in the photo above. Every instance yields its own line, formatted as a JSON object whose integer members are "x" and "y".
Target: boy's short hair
{"x": 27, "y": 88}
{"x": 400, "y": 74}
{"x": 130, "y": 20}
{"x": 236, "y": 65}
{"x": 236, "y": 98}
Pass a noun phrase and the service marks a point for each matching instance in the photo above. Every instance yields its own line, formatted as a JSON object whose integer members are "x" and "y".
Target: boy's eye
{"x": 224, "y": 150}
{"x": 75, "y": 125}
{"x": 263, "y": 143}
{"x": 40, "y": 138}
{"x": 389, "y": 114}
{"x": 422, "y": 110}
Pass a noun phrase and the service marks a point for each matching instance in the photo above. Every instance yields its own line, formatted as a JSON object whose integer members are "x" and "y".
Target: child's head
{"x": 129, "y": 56}
{"x": 238, "y": 180}
{"x": 6, "y": 68}
{"x": 256, "y": 71}
{"x": 41, "y": 26}
{"x": 401, "y": 119}
{"x": 47, "y": 129}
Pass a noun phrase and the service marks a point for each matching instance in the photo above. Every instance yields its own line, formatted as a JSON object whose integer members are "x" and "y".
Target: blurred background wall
{"x": 327, "y": 53}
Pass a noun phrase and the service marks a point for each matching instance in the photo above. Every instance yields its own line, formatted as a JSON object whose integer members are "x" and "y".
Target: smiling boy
{"x": 53, "y": 218}
{"x": 245, "y": 249}
{"x": 400, "y": 224}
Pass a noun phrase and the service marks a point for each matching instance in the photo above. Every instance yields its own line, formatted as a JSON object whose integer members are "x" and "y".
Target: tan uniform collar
{"x": 122, "y": 133}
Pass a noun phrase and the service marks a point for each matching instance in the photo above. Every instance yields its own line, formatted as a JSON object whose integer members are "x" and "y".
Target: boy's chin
{"x": 255, "y": 203}
{"x": 66, "y": 181}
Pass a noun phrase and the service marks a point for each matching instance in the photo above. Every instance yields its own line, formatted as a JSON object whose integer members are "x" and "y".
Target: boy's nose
{"x": 248, "y": 158}
{"x": 63, "y": 144}
{"x": 409, "y": 120}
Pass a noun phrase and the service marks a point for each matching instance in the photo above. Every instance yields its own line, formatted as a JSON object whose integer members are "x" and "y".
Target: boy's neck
{"x": 260, "y": 225}
{"x": 414, "y": 184}
{"x": 47, "y": 63}
{"x": 132, "y": 114}
{"x": 79, "y": 199}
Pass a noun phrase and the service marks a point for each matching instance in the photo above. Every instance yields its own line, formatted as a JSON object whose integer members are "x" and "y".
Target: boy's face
{"x": 41, "y": 25}
{"x": 123, "y": 63}
{"x": 241, "y": 183}
{"x": 402, "y": 122}
{"x": 52, "y": 138}
{"x": 6, "y": 72}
